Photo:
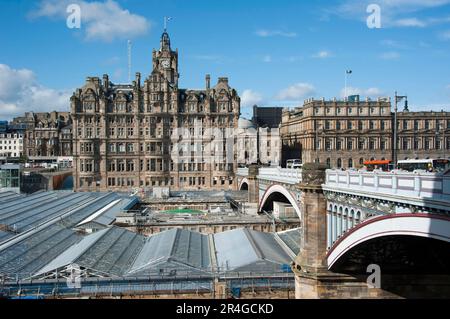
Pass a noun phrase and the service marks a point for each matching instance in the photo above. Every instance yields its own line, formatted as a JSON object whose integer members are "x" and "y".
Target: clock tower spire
{"x": 165, "y": 61}
{"x": 165, "y": 39}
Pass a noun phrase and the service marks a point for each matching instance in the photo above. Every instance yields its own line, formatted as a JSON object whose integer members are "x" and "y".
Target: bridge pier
{"x": 313, "y": 280}
{"x": 253, "y": 187}
{"x": 311, "y": 264}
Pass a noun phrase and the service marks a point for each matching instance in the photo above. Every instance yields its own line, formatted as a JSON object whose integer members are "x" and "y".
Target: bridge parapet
{"x": 282, "y": 175}
{"x": 423, "y": 189}
{"x": 242, "y": 171}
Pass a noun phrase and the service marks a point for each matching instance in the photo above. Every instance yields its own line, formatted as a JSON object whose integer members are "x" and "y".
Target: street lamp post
{"x": 347, "y": 72}
{"x": 398, "y": 98}
{"x": 444, "y": 142}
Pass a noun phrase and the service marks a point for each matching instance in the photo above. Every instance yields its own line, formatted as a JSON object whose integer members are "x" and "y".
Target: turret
{"x": 165, "y": 42}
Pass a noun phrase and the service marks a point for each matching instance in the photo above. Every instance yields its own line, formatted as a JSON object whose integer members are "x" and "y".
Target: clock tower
{"x": 165, "y": 61}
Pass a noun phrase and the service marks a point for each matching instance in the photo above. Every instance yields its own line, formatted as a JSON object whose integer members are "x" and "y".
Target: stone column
{"x": 312, "y": 278}
{"x": 253, "y": 187}
{"x": 311, "y": 264}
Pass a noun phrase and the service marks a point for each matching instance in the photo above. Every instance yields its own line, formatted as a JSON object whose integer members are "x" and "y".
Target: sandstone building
{"x": 344, "y": 134}
{"x": 150, "y": 134}
{"x": 46, "y": 135}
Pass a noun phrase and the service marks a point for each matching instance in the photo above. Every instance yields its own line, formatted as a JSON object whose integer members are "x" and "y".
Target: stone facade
{"x": 156, "y": 134}
{"x": 46, "y": 134}
{"x": 11, "y": 145}
{"x": 347, "y": 133}
{"x": 252, "y": 141}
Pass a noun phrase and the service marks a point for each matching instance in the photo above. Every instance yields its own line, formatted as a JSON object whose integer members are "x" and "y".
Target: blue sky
{"x": 274, "y": 52}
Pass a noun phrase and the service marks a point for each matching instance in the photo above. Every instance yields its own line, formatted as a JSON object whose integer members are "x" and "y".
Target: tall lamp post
{"x": 347, "y": 73}
{"x": 444, "y": 142}
{"x": 398, "y": 98}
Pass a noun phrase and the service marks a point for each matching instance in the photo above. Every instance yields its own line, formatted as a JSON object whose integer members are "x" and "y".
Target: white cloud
{"x": 250, "y": 98}
{"x": 296, "y": 92}
{"x": 445, "y": 35}
{"x": 394, "y": 44}
{"x": 20, "y": 92}
{"x": 293, "y": 59}
{"x": 391, "y": 6}
{"x": 322, "y": 55}
{"x": 267, "y": 58}
{"x": 275, "y": 33}
{"x": 370, "y": 92}
{"x": 411, "y": 22}
{"x": 111, "y": 61}
{"x": 105, "y": 21}
{"x": 394, "y": 13}
{"x": 390, "y": 56}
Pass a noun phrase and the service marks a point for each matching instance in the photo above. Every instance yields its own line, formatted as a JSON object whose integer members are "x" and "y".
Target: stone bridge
{"x": 349, "y": 220}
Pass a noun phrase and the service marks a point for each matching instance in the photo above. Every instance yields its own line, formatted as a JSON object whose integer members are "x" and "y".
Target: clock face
{"x": 165, "y": 63}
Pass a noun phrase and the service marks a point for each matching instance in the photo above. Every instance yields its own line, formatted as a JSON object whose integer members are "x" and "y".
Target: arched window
{"x": 344, "y": 221}
{"x": 338, "y": 144}
{"x": 361, "y": 161}
{"x": 350, "y": 163}
{"x": 339, "y": 222}
{"x": 339, "y": 163}
{"x": 328, "y": 162}
{"x": 334, "y": 223}
{"x": 351, "y": 221}
{"x": 357, "y": 218}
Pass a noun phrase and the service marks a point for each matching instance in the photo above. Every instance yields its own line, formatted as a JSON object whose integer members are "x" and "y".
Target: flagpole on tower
{"x": 166, "y": 20}
{"x": 345, "y": 86}
{"x": 129, "y": 61}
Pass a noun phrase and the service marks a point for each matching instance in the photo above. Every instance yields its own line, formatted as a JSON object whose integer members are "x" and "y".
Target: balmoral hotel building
{"x": 344, "y": 134}
{"x": 129, "y": 137}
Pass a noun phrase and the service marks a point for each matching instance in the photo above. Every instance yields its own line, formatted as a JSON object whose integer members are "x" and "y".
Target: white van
{"x": 294, "y": 163}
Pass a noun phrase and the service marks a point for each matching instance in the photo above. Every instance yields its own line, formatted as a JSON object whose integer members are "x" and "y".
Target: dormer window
{"x": 89, "y": 105}
{"x": 121, "y": 106}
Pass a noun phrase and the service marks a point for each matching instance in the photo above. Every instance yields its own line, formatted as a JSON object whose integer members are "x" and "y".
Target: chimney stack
{"x": 208, "y": 81}
{"x": 105, "y": 81}
{"x": 138, "y": 78}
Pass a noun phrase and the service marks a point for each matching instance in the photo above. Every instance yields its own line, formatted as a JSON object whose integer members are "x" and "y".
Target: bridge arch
{"x": 275, "y": 190}
{"x": 244, "y": 184}
{"x": 429, "y": 226}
